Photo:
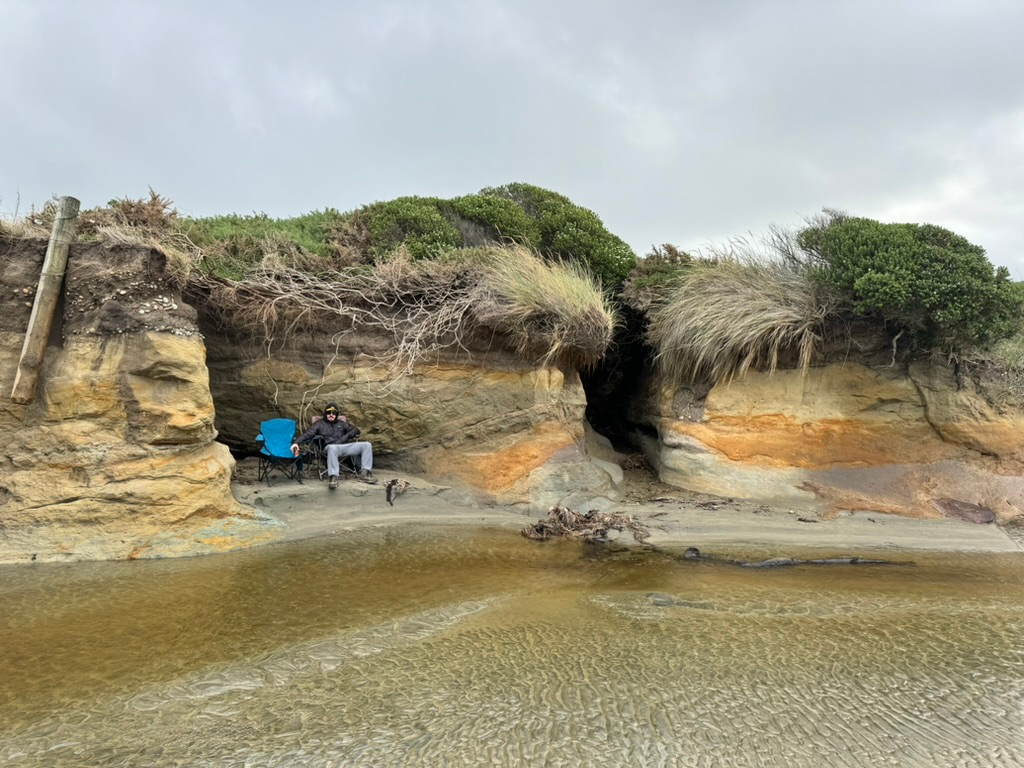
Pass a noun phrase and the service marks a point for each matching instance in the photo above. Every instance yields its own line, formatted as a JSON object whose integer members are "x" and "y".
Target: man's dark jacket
{"x": 333, "y": 434}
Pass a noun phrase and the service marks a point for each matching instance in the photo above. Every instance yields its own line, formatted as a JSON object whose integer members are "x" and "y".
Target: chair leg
{"x": 290, "y": 468}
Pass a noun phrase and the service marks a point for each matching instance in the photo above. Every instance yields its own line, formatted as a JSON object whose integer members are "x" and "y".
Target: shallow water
{"x": 453, "y": 647}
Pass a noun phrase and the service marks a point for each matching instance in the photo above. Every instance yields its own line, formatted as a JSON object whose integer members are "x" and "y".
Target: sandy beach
{"x": 673, "y": 516}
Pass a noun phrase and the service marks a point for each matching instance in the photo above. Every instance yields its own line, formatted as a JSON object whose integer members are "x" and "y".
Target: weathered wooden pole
{"x": 47, "y": 293}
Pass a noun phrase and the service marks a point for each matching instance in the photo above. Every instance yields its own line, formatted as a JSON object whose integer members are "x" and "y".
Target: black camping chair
{"x": 276, "y": 437}
{"x": 317, "y": 452}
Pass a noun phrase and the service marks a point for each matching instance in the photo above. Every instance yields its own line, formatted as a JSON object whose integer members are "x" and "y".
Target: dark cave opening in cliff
{"x": 614, "y": 385}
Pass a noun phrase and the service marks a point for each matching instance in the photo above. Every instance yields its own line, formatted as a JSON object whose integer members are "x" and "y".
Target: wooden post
{"x": 47, "y": 293}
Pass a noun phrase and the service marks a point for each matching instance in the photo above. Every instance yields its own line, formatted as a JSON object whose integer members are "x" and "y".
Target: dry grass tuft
{"x": 23, "y": 229}
{"x": 737, "y": 311}
{"x": 180, "y": 253}
{"x": 555, "y": 309}
{"x": 143, "y": 223}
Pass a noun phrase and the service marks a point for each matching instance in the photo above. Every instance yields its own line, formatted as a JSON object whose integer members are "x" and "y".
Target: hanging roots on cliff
{"x": 549, "y": 312}
{"x": 590, "y": 526}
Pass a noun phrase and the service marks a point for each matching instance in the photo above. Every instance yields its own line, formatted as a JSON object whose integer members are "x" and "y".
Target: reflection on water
{"x": 457, "y": 647}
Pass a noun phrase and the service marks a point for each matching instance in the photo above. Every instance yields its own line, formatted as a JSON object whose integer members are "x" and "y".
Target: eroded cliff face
{"x": 505, "y": 431}
{"x": 900, "y": 439}
{"x": 117, "y": 456}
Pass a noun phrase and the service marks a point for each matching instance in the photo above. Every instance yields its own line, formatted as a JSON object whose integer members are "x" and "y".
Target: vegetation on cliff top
{"x": 231, "y": 245}
{"x": 425, "y": 228}
{"x": 918, "y": 278}
{"x": 744, "y": 305}
{"x": 928, "y": 288}
{"x": 266, "y": 279}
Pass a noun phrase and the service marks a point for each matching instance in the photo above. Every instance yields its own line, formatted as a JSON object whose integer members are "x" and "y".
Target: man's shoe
{"x": 332, "y": 482}
{"x": 367, "y": 477}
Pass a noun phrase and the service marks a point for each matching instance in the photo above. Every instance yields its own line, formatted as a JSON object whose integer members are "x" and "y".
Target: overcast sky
{"x": 675, "y": 121}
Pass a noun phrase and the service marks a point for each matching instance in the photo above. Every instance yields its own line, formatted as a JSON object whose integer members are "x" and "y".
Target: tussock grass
{"x": 179, "y": 251}
{"x": 1009, "y": 353}
{"x": 737, "y": 311}
{"x": 144, "y": 223}
{"x": 558, "y": 306}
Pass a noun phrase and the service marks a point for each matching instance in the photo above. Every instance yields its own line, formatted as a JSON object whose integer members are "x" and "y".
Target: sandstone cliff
{"x": 117, "y": 457}
{"x": 911, "y": 439}
{"x": 120, "y": 457}
{"x": 506, "y": 431}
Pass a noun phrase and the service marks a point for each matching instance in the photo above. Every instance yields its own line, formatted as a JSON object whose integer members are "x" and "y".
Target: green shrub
{"x": 655, "y": 276}
{"x": 426, "y": 227}
{"x": 569, "y": 231}
{"x": 498, "y": 219}
{"x": 922, "y": 278}
{"x": 416, "y": 222}
{"x": 311, "y": 232}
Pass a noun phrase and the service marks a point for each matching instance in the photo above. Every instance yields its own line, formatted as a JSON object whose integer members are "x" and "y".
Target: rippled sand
{"x": 460, "y": 647}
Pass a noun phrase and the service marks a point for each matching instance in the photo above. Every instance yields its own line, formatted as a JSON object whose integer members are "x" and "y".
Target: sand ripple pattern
{"x": 592, "y": 662}
{"x": 72, "y": 738}
{"x": 548, "y": 684}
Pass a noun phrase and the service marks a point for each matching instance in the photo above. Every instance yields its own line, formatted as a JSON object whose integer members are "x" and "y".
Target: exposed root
{"x": 544, "y": 312}
{"x": 590, "y": 526}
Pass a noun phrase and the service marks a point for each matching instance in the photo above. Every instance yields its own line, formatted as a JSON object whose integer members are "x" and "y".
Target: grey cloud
{"x": 681, "y": 123}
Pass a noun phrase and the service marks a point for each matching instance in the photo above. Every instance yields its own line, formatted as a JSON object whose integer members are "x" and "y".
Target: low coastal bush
{"x": 570, "y": 232}
{"x": 655, "y": 277}
{"x": 918, "y": 278}
{"x": 423, "y": 227}
{"x": 415, "y": 222}
{"x": 483, "y": 219}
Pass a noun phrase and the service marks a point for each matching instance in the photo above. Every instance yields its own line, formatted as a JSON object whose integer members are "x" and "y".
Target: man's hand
{"x": 295, "y": 449}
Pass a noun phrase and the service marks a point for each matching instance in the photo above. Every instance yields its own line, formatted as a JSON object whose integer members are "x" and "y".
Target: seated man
{"x": 338, "y": 434}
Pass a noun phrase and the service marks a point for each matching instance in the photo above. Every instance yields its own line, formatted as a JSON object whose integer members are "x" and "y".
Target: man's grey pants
{"x": 361, "y": 449}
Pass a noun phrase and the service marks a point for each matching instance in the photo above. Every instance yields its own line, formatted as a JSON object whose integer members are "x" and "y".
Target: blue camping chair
{"x": 276, "y": 436}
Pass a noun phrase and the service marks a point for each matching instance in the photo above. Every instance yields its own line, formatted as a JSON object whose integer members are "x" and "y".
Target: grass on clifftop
{"x": 734, "y": 312}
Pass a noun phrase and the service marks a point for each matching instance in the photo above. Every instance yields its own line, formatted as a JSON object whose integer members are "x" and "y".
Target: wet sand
{"x": 675, "y": 518}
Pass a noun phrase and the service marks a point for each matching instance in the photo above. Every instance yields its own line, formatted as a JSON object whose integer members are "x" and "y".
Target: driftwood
{"x": 395, "y": 488}
{"x": 692, "y": 553}
{"x": 592, "y": 526}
